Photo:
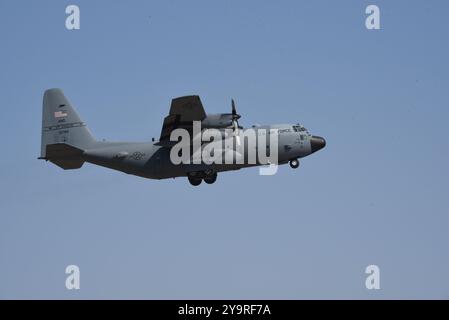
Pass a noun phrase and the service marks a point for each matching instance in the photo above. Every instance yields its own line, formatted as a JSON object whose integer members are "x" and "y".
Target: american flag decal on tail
{"x": 60, "y": 114}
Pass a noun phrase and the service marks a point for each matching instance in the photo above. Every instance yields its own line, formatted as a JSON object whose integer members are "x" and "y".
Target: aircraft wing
{"x": 183, "y": 111}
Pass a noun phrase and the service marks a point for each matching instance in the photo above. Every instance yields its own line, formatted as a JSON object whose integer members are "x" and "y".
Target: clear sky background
{"x": 377, "y": 194}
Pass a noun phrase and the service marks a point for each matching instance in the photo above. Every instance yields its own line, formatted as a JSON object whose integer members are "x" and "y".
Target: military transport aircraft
{"x": 68, "y": 143}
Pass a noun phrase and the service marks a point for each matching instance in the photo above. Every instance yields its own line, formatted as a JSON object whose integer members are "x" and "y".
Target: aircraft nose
{"x": 317, "y": 143}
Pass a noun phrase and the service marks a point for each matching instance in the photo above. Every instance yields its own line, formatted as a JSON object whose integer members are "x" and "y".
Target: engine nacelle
{"x": 219, "y": 121}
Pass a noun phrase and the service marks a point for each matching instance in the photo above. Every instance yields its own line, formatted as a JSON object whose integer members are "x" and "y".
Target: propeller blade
{"x": 235, "y": 115}
{"x": 236, "y": 126}
{"x": 236, "y": 133}
{"x": 235, "y": 123}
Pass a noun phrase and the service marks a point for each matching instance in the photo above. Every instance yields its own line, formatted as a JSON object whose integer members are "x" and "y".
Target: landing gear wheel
{"x": 294, "y": 163}
{"x": 210, "y": 178}
{"x": 194, "y": 181}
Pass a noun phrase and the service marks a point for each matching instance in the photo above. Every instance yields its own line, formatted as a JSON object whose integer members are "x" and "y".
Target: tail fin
{"x": 64, "y": 135}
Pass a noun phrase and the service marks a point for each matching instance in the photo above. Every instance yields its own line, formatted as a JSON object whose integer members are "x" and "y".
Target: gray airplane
{"x": 68, "y": 143}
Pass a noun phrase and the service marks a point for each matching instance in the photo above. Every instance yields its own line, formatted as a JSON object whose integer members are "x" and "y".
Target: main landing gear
{"x": 294, "y": 163}
{"x": 195, "y": 178}
{"x": 194, "y": 181}
{"x": 209, "y": 179}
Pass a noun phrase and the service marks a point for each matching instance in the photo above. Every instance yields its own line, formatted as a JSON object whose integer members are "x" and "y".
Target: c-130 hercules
{"x": 68, "y": 143}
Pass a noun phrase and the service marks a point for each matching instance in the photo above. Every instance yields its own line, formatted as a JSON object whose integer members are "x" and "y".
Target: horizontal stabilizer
{"x": 65, "y": 156}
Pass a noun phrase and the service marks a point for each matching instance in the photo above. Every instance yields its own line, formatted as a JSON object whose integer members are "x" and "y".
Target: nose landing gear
{"x": 294, "y": 163}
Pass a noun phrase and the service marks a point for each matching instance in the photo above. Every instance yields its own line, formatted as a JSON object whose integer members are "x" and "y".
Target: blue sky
{"x": 377, "y": 194}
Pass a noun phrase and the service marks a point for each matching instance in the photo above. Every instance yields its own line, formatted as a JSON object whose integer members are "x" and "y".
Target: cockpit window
{"x": 299, "y": 129}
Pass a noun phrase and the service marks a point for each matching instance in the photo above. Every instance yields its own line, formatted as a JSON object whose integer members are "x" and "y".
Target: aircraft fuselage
{"x": 149, "y": 160}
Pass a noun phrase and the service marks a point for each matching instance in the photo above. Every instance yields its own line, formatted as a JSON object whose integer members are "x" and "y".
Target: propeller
{"x": 235, "y": 117}
{"x": 235, "y": 122}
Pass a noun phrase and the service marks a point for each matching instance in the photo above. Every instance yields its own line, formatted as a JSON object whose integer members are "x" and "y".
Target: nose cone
{"x": 317, "y": 143}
